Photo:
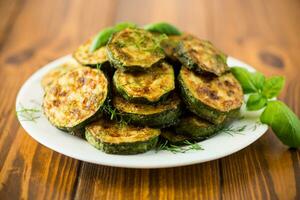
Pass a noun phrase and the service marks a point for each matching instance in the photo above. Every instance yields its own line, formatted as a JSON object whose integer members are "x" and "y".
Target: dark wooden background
{"x": 263, "y": 33}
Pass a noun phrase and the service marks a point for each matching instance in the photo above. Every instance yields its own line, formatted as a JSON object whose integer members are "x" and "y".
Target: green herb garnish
{"x": 163, "y": 27}
{"x": 231, "y": 130}
{"x": 284, "y": 123}
{"x": 28, "y": 114}
{"x": 164, "y": 145}
{"x": 103, "y": 36}
{"x": 98, "y": 66}
{"x": 114, "y": 115}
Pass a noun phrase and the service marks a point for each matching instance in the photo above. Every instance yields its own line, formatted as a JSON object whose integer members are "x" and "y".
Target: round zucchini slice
{"x": 196, "y": 127}
{"x": 175, "y": 138}
{"x": 134, "y": 49}
{"x": 93, "y": 59}
{"x": 113, "y": 138}
{"x": 145, "y": 87}
{"x": 76, "y": 98}
{"x": 201, "y": 56}
{"x": 79, "y": 132}
{"x": 169, "y": 46}
{"x": 210, "y": 97}
{"x": 161, "y": 115}
{"x": 55, "y": 73}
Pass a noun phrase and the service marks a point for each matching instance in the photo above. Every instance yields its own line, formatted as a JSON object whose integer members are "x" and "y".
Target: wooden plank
{"x": 41, "y": 32}
{"x": 191, "y": 182}
{"x": 9, "y": 11}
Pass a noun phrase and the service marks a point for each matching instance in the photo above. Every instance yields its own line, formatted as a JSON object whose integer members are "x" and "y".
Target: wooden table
{"x": 265, "y": 34}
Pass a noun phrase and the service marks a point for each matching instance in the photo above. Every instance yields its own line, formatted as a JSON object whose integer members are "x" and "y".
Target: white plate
{"x": 216, "y": 147}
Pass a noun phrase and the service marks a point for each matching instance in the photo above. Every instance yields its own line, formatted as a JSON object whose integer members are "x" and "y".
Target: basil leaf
{"x": 284, "y": 123}
{"x": 103, "y": 36}
{"x": 123, "y": 25}
{"x": 258, "y": 80}
{"x": 250, "y": 82}
{"x": 101, "y": 39}
{"x": 162, "y": 27}
{"x": 256, "y": 102}
{"x": 273, "y": 86}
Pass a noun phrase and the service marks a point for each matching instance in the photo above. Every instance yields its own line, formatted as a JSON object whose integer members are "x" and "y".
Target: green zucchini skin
{"x": 113, "y": 138}
{"x": 175, "y": 138}
{"x": 141, "y": 100}
{"x": 126, "y": 51}
{"x": 164, "y": 118}
{"x": 196, "y": 128}
{"x": 75, "y": 130}
{"x": 201, "y": 56}
{"x": 79, "y": 133}
{"x": 160, "y": 120}
{"x": 122, "y": 149}
{"x": 202, "y": 109}
{"x": 154, "y": 85}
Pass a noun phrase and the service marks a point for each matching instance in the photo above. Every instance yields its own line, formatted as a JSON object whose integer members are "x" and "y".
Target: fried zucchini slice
{"x": 55, "y": 73}
{"x": 169, "y": 46}
{"x": 210, "y": 97}
{"x": 161, "y": 115}
{"x": 113, "y": 138}
{"x": 76, "y": 98}
{"x": 175, "y": 138}
{"x": 201, "y": 56}
{"x": 134, "y": 49}
{"x": 145, "y": 87}
{"x": 79, "y": 132}
{"x": 92, "y": 59}
{"x": 196, "y": 127}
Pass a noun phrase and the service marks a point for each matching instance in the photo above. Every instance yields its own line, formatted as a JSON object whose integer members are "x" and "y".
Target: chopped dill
{"x": 28, "y": 114}
{"x": 114, "y": 115}
{"x": 231, "y": 130}
{"x": 98, "y": 66}
{"x": 164, "y": 145}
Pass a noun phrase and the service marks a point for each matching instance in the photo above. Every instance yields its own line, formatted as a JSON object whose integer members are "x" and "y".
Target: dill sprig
{"x": 114, "y": 115}
{"x": 98, "y": 66}
{"x": 164, "y": 145}
{"x": 231, "y": 130}
{"x": 28, "y": 114}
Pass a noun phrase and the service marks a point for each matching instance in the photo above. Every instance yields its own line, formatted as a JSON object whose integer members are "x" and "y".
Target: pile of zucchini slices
{"x": 141, "y": 87}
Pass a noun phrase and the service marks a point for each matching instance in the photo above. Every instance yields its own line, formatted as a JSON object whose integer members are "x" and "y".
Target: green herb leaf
{"x": 162, "y": 27}
{"x": 258, "y": 80}
{"x": 231, "y": 130}
{"x": 103, "y": 36}
{"x": 28, "y": 114}
{"x": 250, "y": 82}
{"x": 123, "y": 25}
{"x": 284, "y": 123}
{"x": 101, "y": 39}
{"x": 273, "y": 86}
{"x": 164, "y": 145}
{"x": 256, "y": 102}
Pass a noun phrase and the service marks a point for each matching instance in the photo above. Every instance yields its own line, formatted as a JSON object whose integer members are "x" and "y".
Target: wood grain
{"x": 263, "y": 33}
